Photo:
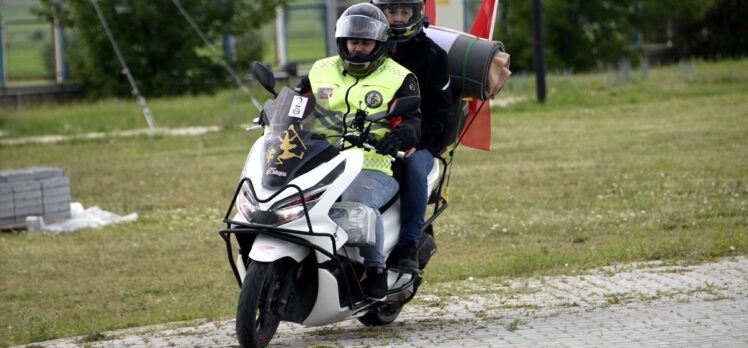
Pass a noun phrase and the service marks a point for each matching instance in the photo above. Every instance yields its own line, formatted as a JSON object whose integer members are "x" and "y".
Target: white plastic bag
{"x": 80, "y": 218}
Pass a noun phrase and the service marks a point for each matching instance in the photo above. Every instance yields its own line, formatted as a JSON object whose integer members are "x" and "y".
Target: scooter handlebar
{"x": 355, "y": 139}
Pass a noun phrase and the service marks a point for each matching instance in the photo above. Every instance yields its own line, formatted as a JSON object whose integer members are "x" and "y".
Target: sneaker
{"x": 375, "y": 284}
{"x": 407, "y": 258}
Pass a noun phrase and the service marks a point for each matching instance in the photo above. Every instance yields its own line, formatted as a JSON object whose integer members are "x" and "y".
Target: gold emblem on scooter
{"x": 288, "y": 143}
{"x": 270, "y": 154}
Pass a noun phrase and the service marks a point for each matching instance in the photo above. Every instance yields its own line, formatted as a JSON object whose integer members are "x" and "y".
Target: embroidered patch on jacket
{"x": 325, "y": 93}
{"x": 373, "y": 99}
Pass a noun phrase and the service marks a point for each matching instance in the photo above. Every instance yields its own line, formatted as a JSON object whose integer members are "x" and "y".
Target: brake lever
{"x": 355, "y": 139}
{"x": 253, "y": 128}
{"x": 398, "y": 155}
{"x": 352, "y": 138}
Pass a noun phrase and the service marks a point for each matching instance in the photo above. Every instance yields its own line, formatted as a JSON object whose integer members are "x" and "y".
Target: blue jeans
{"x": 373, "y": 189}
{"x": 413, "y": 195}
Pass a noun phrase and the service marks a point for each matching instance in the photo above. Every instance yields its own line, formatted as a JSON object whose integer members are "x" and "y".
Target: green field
{"x": 605, "y": 172}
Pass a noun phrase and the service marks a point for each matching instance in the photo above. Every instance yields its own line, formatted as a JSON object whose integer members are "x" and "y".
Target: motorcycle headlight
{"x": 288, "y": 209}
{"x": 281, "y": 212}
{"x": 293, "y": 208}
{"x": 246, "y": 203}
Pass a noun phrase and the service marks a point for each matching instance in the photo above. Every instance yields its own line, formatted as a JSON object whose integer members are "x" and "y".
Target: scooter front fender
{"x": 269, "y": 249}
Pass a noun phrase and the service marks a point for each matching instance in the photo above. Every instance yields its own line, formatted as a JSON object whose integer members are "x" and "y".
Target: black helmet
{"x": 366, "y": 22}
{"x": 404, "y": 31}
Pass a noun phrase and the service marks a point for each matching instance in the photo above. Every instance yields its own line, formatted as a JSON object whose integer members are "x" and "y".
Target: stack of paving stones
{"x": 36, "y": 191}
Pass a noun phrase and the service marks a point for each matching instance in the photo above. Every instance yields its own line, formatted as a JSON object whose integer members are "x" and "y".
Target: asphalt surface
{"x": 638, "y": 305}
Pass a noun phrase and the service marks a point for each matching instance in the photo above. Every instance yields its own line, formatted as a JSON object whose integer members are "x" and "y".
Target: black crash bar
{"x": 280, "y": 233}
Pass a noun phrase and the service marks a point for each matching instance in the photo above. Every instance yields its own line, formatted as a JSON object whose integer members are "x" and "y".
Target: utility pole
{"x": 537, "y": 25}
{"x": 59, "y": 45}
{"x": 58, "y": 42}
{"x": 2, "y": 53}
{"x": 281, "y": 39}
{"x": 229, "y": 42}
{"x": 331, "y": 15}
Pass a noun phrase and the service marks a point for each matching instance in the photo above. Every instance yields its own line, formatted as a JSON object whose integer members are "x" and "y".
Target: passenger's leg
{"x": 413, "y": 199}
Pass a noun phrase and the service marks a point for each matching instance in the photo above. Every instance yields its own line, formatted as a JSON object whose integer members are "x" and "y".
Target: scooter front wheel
{"x": 256, "y": 321}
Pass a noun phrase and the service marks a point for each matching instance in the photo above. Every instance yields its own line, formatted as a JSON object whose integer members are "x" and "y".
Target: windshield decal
{"x": 289, "y": 147}
{"x": 298, "y": 105}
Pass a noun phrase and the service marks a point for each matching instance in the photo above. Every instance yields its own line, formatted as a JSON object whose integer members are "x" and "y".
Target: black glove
{"x": 389, "y": 145}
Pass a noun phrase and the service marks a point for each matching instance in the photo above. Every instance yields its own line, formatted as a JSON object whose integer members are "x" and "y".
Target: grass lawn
{"x": 605, "y": 172}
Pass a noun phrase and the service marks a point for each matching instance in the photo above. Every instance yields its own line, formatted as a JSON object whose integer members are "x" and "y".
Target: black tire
{"x": 381, "y": 316}
{"x": 256, "y": 321}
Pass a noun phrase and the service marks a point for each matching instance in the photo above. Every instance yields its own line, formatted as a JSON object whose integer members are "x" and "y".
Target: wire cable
{"x": 135, "y": 91}
{"x": 215, "y": 53}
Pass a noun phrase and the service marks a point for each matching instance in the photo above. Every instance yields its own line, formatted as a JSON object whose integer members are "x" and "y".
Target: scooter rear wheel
{"x": 256, "y": 321}
{"x": 381, "y": 316}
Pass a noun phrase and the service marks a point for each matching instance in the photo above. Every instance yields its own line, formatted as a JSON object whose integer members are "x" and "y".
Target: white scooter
{"x": 297, "y": 258}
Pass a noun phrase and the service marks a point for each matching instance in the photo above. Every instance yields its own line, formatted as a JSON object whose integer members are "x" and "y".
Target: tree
{"x": 579, "y": 34}
{"x": 661, "y": 20}
{"x": 163, "y": 52}
{"x": 721, "y": 32}
{"x": 583, "y": 34}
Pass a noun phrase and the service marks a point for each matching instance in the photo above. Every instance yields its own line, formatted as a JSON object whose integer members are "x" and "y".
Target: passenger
{"x": 419, "y": 54}
{"x": 361, "y": 76}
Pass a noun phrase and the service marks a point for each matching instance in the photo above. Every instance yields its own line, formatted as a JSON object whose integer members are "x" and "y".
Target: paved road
{"x": 640, "y": 305}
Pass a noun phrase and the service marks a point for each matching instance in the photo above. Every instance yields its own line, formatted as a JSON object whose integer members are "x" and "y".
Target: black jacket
{"x": 428, "y": 62}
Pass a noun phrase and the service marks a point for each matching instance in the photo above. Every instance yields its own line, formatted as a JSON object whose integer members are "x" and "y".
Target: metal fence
{"x": 27, "y": 44}
{"x": 304, "y": 31}
{"x": 30, "y": 49}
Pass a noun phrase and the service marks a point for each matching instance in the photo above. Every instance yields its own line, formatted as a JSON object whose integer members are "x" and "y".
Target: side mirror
{"x": 404, "y": 105}
{"x": 264, "y": 76}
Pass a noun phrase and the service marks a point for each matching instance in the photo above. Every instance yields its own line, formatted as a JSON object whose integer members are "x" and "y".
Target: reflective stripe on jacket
{"x": 339, "y": 95}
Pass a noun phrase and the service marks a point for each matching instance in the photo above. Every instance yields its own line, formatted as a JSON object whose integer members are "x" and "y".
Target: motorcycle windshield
{"x": 291, "y": 144}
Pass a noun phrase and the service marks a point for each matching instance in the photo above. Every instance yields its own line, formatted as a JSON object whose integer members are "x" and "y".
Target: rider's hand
{"x": 389, "y": 145}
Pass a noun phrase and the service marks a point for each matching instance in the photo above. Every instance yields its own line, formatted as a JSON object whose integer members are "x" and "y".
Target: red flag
{"x": 485, "y": 19}
{"x": 431, "y": 11}
{"x": 478, "y": 134}
{"x": 476, "y": 131}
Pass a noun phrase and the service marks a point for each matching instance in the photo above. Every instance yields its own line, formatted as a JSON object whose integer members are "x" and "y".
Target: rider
{"x": 419, "y": 54}
{"x": 360, "y": 77}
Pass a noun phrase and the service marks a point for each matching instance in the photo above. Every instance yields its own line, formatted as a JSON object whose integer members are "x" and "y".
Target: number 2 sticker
{"x": 297, "y": 106}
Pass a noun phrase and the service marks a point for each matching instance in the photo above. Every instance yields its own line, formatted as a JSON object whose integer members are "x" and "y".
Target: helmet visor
{"x": 361, "y": 27}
